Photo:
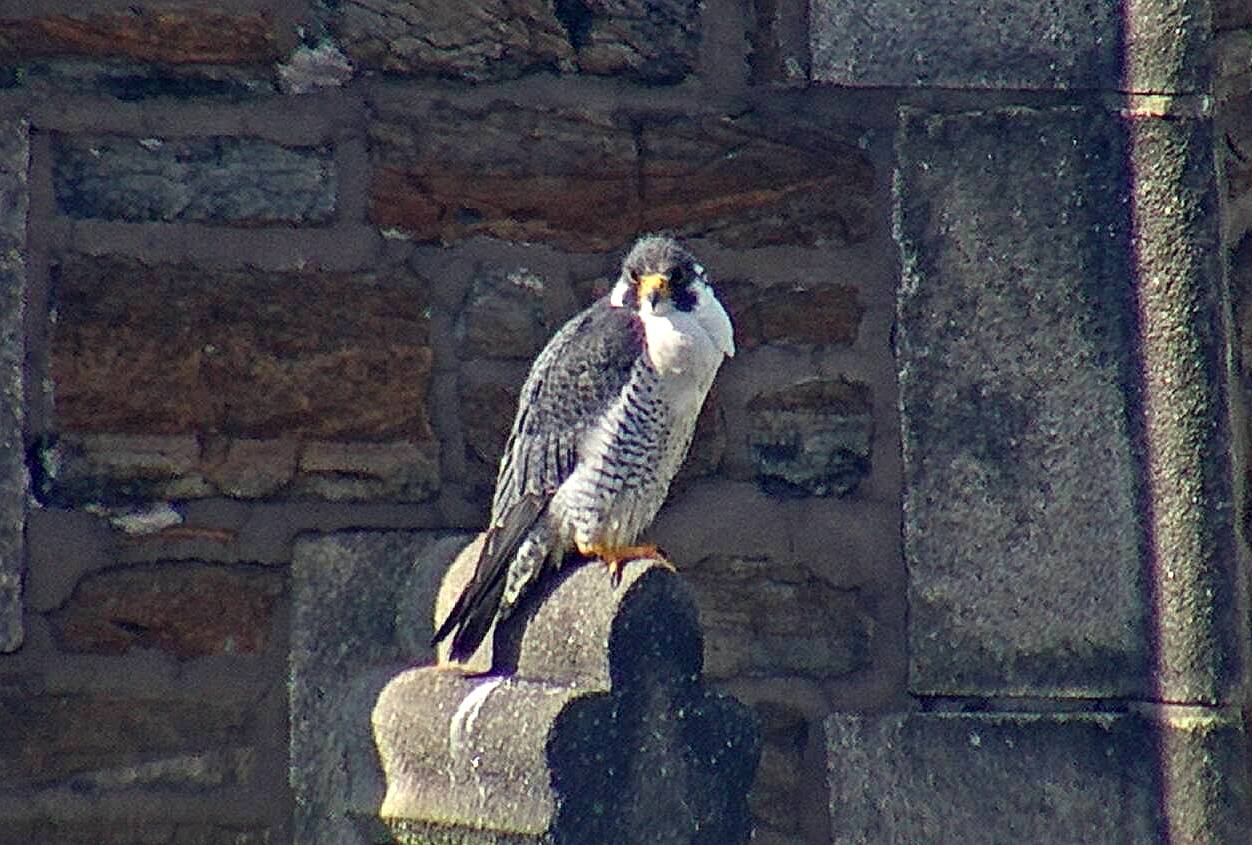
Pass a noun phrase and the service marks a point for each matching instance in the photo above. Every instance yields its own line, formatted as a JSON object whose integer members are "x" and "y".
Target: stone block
{"x": 14, "y": 161}
{"x": 500, "y": 39}
{"x": 482, "y": 40}
{"x": 814, "y": 438}
{"x": 356, "y": 597}
{"x": 186, "y": 609}
{"x": 801, "y": 315}
{"x": 1117, "y": 778}
{"x": 1153, "y": 46}
{"x": 587, "y": 179}
{"x": 504, "y": 316}
{"x": 177, "y": 349}
{"x": 1231, "y": 14}
{"x": 345, "y": 472}
{"x": 763, "y": 618}
{"x": 1021, "y": 384}
{"x": 216, "y": 180}
{"x": 50, "y": 740}
{"x": 144, "y": 33}
{"x": 598, "y": 728}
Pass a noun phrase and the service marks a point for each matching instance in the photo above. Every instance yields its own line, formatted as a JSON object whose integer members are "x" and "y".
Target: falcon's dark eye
{"x": 677, "y": 277}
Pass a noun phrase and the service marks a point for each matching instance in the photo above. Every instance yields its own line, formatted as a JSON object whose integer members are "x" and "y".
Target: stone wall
{"x": 284, "y": 264}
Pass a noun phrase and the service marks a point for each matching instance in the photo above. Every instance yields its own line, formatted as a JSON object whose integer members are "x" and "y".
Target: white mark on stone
{"x": 462, "y": 724}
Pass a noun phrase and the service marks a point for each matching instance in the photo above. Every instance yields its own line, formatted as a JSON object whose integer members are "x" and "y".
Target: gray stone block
{"x": 1115, "y": 778}
{"x": 211, "y": 180}
{"x": 354, "y": 595}
{"x": 1011, "y": 45}
{"x": 1025, "y": 370}
{"x": 14, "y": 158}
{"x": 598, "y": 730}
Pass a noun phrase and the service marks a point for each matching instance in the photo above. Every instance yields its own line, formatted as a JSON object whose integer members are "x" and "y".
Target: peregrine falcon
{"x": 603, "y": 422}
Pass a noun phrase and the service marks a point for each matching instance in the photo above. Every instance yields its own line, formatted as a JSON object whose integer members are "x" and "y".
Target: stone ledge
{"x": 601, "y": 732}
{"x": 1038, "y": 777}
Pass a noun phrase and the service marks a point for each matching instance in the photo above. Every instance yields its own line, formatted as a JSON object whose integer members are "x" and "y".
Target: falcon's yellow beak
{"x": 652, "y": 287}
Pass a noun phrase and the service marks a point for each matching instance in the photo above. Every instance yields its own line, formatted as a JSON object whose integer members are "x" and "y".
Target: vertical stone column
{"x": 1076, "y": 625}
{"x": 14, "y": 158}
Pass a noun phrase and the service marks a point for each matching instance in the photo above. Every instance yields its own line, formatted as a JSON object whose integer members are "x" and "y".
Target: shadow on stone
{"x": 597, "y": 729}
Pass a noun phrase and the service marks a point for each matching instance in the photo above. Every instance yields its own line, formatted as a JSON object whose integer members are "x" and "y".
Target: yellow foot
{"x": 615, "y": 557}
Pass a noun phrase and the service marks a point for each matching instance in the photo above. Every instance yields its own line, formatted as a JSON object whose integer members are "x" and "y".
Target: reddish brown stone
{"x": 186, "y": 609}
{"x": 565, "y": 176}
{"x": 817, "y": 316}
{"x": 175, "y": 349}
{"x": 591, "y": 181}
{"x": 170, "y": 36}
{"x": 763, "y": 618}
{"x": 48, "y": 738}
{"x": 749, "y": 181}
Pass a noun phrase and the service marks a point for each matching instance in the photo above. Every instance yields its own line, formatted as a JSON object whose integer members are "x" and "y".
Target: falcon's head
{"x": 661, "y": 279}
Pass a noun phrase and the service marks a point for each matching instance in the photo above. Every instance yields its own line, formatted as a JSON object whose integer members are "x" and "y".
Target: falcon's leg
{"x": 615, "y": 557}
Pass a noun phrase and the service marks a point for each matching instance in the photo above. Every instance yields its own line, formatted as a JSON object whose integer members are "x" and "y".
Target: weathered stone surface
{"x": 184, "y": 609}
{"x": 14, "y": 201}
{"x": 749, "y": 180}
{"x": 345, "y": 472}
{"x": 212, "y": 180}
{"x": 783, "y": 800}
{"x": 763, "y": 618}
{"x": 49, "y": 739}
{"x": 248, "y": 468}
{"x": 591, "y": 180}
{"x": 1020, "y": 391}
{"x": 651, "y": 40}
{"x": 821, "y": 315}
{"x": 309, "y": 69}
{"x": 486, "y": 39}
{"x": 599, "y": 730}
{"x": 115, "y": 468}
{"x": 143, "y": 33}
{"x": 502, "y": 39}
{"x": 778, "y": 39}
{"x": 1003, "y": 45}
{"x": 132, "y": 831}
{"x": 1231, "y": 14}
{"x": 814, "y": 438}
{"x": 175, "y": 349}
{"x": 345, "y": 645}
{"x": 1023, "y": 777}
{"x": 504, "y": 316}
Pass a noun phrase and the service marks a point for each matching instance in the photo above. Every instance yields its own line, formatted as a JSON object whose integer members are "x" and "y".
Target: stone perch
{"x": 597, "y": 729}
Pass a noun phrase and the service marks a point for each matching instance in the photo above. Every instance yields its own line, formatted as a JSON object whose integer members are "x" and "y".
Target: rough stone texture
{"x": 173, "y": 349}
{"x": 1024, "y": 777}
{"x": 143, "y": 33}
{"x": 599, "y": 730}
{"x": 215, "y": 180}
{"x": 486, "y": 39}
{"x": 1230, "y": 14}
{"x": 500, "y": 39}
{"x": 345, "y": 472}
{"x": 814, "y": 438}
{"x": 349, "y": 591}
{"x": 14, "y": 157}
{"x": 1004, "y": 44}
{"x": 68, "y": 739}
{"x": 765, "y": 618}
{"x": 1017, "y": 378}
{"x": 133, "y": 832}
{"x": 1183, "y": 312}
{"x": 826, "y": 315}
{"x": 504, "y": 316}
{"x": 184, "y": 609}
{"x": 591, "y": 180}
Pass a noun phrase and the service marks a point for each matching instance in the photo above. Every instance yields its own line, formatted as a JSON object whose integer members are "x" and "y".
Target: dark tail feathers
{"x": 477, "y": 606}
